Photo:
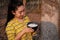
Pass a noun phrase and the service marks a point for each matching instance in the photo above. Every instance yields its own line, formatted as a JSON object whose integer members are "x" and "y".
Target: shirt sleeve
{"x": 10, "y": 32}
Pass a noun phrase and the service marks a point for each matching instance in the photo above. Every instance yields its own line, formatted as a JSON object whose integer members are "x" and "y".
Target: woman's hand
{"x": 26, "y": 30}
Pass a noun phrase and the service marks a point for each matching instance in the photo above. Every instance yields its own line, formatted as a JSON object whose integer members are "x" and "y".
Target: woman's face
{"x": 20, "y": 12}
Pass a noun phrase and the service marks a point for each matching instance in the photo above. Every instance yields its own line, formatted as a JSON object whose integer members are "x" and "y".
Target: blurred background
{"x": 44, "y": 12}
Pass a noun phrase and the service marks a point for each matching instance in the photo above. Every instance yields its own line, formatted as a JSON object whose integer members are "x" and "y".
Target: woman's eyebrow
{"x": 22, "y": 10}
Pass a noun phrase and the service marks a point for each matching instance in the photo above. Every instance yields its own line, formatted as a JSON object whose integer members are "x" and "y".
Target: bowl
{"x": 32, "y": 25}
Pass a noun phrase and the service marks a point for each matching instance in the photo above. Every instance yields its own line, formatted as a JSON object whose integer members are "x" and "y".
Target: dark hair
{"x": 12, "y": 7}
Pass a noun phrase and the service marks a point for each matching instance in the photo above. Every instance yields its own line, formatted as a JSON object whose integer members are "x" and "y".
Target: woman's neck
{"x": 20, "y": 19}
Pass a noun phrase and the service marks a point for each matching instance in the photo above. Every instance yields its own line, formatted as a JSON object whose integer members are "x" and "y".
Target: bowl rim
{"x": 32, "y": 23}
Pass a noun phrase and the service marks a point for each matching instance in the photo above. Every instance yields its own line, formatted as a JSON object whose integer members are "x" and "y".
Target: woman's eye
{"x": 22, "y": 10}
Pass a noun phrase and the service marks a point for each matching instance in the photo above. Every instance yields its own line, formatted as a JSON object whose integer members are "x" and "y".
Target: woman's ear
{"x": 13, "y": 12}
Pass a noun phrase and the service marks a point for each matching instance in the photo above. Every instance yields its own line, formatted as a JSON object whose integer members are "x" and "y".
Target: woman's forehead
{"x": 20, "y": 8}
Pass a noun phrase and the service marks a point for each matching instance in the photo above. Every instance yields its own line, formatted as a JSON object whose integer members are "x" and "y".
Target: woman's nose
{"x": 23, "y": 13}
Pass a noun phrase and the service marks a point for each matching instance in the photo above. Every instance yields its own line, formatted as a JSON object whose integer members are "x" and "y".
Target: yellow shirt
{"x": 14, "y": 27}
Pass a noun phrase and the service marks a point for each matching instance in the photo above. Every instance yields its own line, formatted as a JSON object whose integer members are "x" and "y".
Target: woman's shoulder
{"x": 26, "y": 17}
{"x": 10, "y": 22}
{"x": 10, "y": 25}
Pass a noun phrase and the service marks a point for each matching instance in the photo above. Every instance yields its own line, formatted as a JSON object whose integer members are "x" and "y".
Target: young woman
{"x": 17, "y": 23}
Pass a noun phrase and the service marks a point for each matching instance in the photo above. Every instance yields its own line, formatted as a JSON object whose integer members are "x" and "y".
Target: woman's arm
{"x": 19, "y": 35}
{"x": 26, "y": 30}
{"x": 10, "y": 33}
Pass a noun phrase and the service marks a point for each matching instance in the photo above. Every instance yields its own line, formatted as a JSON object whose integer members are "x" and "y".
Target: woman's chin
{"x": 21, "y": 17}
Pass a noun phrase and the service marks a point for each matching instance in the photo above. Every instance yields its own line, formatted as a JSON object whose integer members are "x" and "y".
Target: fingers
{"x": 31, "y": 30}
{"x": 28, "y": 30}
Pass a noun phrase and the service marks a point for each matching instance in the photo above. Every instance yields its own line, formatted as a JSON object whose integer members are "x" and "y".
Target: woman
{"x": 17, "y": 22}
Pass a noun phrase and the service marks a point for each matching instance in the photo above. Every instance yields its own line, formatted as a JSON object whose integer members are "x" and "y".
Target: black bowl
{"x": 33, "y": 25}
